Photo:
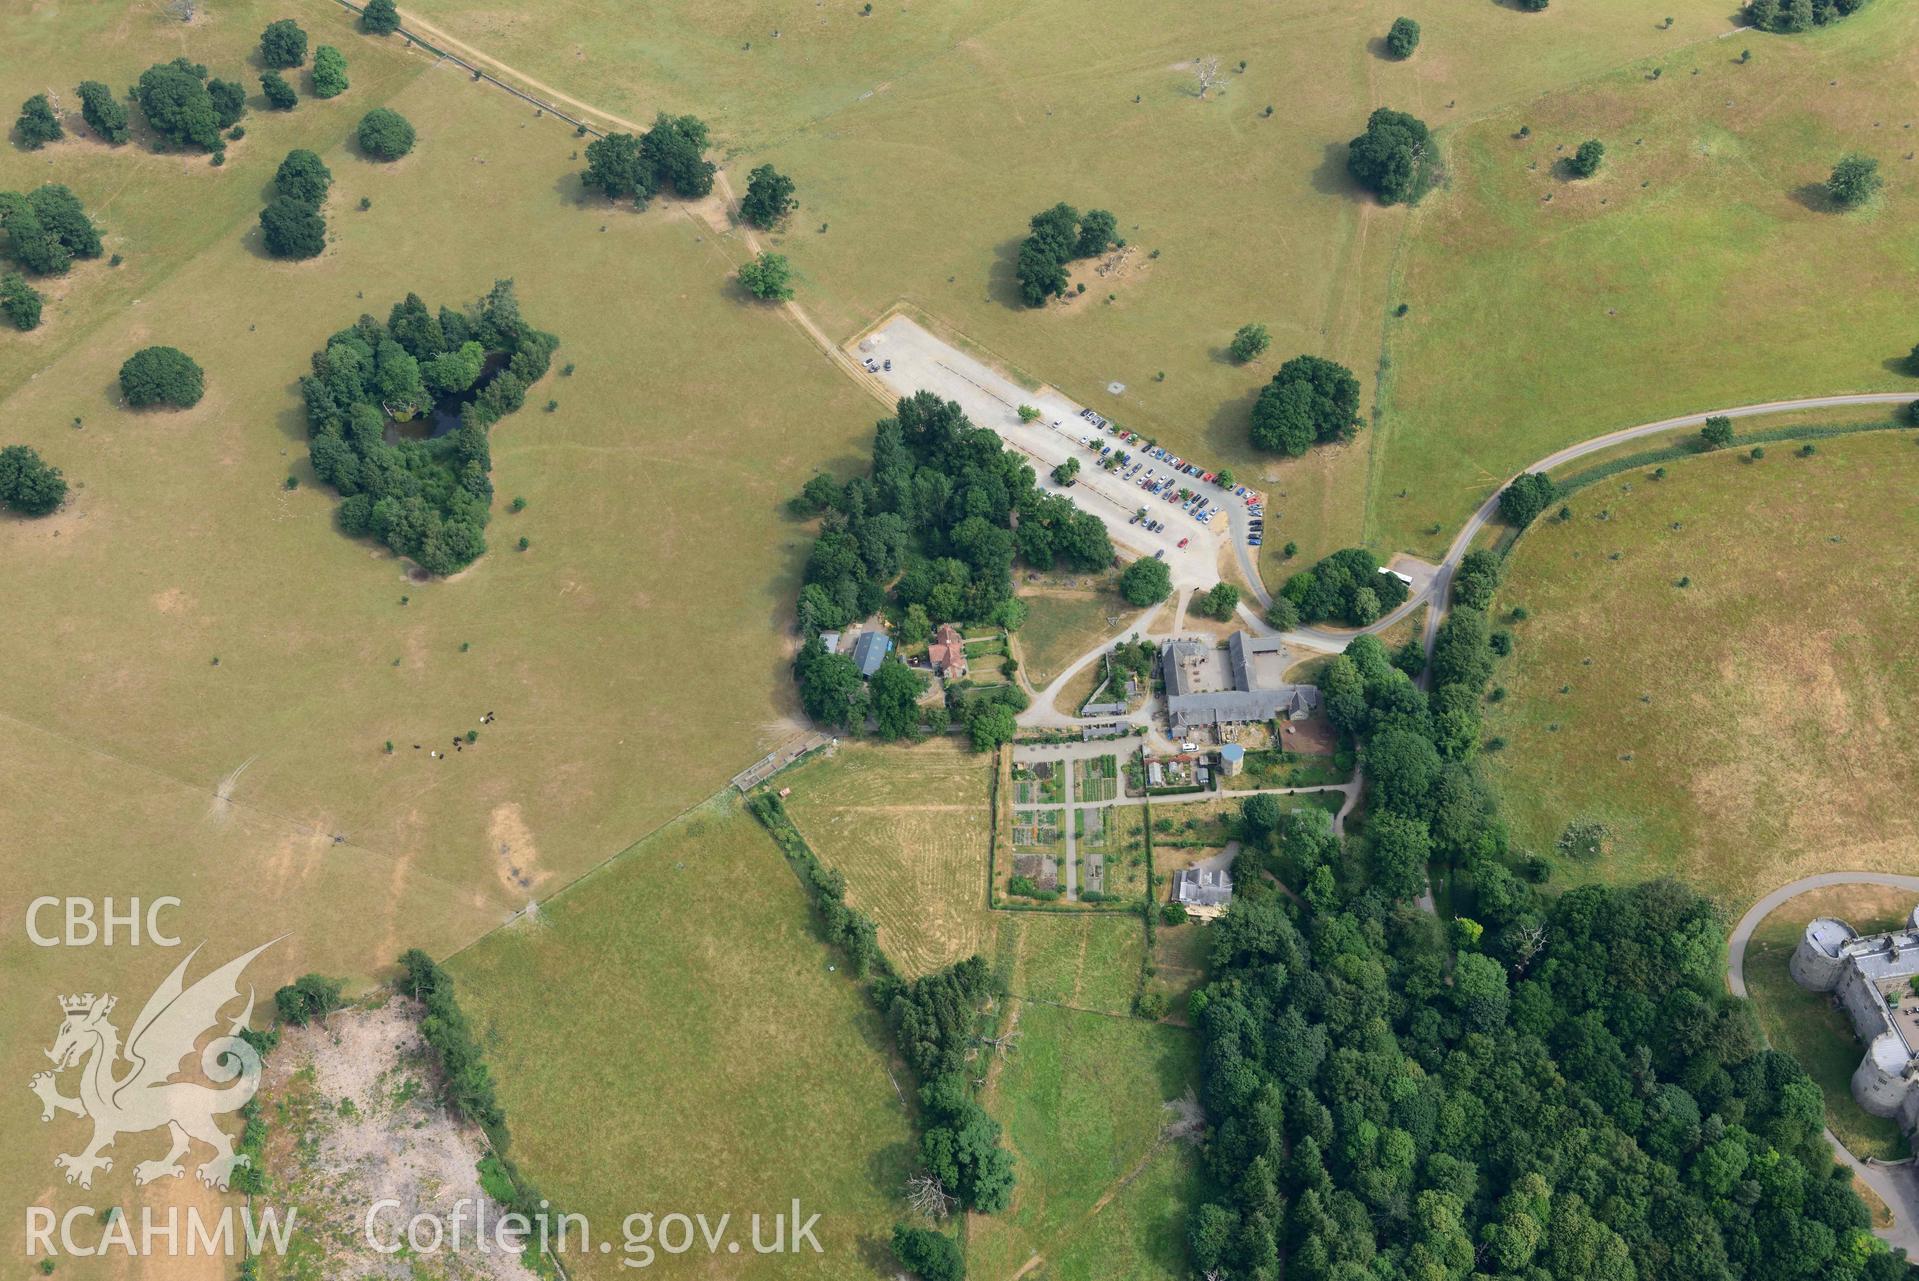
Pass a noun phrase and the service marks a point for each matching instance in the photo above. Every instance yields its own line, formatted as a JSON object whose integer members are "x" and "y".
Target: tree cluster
{"x": 670, "y": 155}
{"x": 283, "y": 45}
{"x": 769, "y": 198}
{"x": 1060, "y": 235}
{"x": 161, "y": 376}
{"x": 1560, "y": 1089}
{"x": 846, "y": 927}
{"x": 1311, "y": 400}
{"x": 47, "y": 228}
{"x": 1146, "y": 581}
{"x": 936, "y": 526}
{"x": 1527, "y": 496}
{"x": 329, "y": 72}
{"x": 425, "y": 499}
{"x": 936, "y": 1020}
{"x": 309, "y": 997}
{"x": 1345, "y": 587}
{"x": 291, "y": 223}
{"x": 38, "y": 125}
{"x": 103, "y": 112}
{"x": 27, "y": 484}
{"x": 186, "y": 108}
{"x": 19, "y": 301}
{"x": 1394, "y": 158}
{"x": 1789, "y": 17}
{"x": 379, "y": 18}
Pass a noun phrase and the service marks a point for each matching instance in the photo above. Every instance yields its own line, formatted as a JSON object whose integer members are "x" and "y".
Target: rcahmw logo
{"x": 129, "y": 1087}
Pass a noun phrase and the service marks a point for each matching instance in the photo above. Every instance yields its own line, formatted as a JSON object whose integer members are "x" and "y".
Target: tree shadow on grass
{"x": 1814, "y": 196}
{"x": 1333, "y": 178}
{"x": 1378, "y": 47}
{"x": 1226, "y": 430}
{"x": 1002, "y": 280}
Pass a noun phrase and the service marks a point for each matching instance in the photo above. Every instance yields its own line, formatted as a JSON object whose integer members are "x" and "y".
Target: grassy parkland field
{"x": 1664, "y": 284}
{"x": 923, "y": 138}
{"x": 1715, "y": 665}
{"x": 669, "y": 1035}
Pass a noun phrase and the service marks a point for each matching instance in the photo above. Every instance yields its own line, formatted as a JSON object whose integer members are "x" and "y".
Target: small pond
{"x": 445, "y": 414}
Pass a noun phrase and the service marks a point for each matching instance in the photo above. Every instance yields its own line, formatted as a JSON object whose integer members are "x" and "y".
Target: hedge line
{"x": 466, "y": 1081}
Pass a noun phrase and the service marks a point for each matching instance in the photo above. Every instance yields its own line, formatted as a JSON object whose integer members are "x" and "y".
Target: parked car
{"x": 1184, "y": 541}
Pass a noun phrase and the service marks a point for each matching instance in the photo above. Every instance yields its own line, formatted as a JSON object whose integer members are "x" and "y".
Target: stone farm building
{"x": 1872, "y": 980}
{"x": 1208, "y": 686}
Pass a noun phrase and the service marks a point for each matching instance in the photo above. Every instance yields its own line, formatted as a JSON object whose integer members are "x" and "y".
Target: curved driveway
{"x": 1897, "y": 1185}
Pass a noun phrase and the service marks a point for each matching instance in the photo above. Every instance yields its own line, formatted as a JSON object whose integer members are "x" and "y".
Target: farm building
{"x": 1872, "y": 978}
{"x": 870, "y": 650}
{"x": 1207, "y": 686}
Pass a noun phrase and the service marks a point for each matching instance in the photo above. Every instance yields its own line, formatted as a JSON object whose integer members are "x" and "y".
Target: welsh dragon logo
{"x": 143, "y": 1096}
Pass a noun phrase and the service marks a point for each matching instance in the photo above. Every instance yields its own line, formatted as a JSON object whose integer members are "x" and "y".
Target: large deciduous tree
{"x": 161, "y": 376}
{"x": 1394, "y": 157}
{"x": 769, "y": 197}
{"x": 38, "y": 125}
{"x": 27, "y": 484}
{"x": 102, "y": 111}
{"x": 1310, "y": 400}
{"x": 283, "y": 44}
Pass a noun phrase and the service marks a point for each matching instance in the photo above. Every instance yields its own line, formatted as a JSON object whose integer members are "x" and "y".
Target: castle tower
{"x": 1815, "y": 962}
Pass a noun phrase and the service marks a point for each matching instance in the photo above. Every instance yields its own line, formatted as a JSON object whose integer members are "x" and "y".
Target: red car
{"x": 1184, "y": 541}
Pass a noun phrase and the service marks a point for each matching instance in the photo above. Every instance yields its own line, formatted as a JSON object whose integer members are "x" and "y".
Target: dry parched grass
{"x": 908, "y": 828}
{"x": 1760, "y": 723}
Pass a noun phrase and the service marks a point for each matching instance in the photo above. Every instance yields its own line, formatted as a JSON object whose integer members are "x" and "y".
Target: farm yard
{"x": 908, "y": 829}
{"x": 1713, "y": 667}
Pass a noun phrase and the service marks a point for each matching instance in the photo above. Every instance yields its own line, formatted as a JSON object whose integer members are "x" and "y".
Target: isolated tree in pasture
{"x": 1249, "y": 342}
{"x": 19, "y": 301}
{"x": 47, "y": 229}
{"x": 1393, "y": 158}
{"x": 1854, "y": 180}
{"x": 1586, "y": 160}
{"x": 102, "y": 111}
{"x": 768, "y": 277}
{"x": 293, "y": 228}
{"x": 1533, "y": 6}
{"x": 329, "y": 72}
{"x": 161, "y": 376}
{"x": 1403, "y": 38}
{"x": 27, "y": 484}
{"x": 769, "y": 197}
{"x": 1146, "y": 581}
{"x": 1206, "y": 75}
{"x": 38, "y": 125}
{"x": 1717, "y": 433}
{"x": 283, "y": 45}
{"x": 385, "y": 134}
{"x": 1311, "y": 399}
{"x": 380, "y": 18}
{"x": 279, "y": 94}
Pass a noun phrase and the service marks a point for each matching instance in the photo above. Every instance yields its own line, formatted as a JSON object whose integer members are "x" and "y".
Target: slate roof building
{"x": 870, "y": 650}
{"x": 1212, "y": 887}
{"x": 1207, "y": 689}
